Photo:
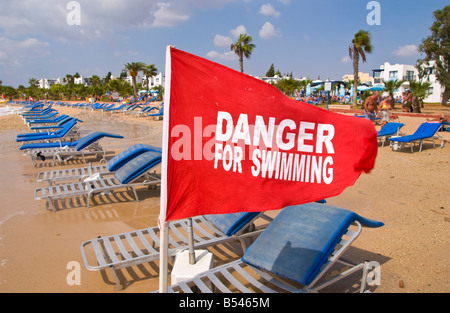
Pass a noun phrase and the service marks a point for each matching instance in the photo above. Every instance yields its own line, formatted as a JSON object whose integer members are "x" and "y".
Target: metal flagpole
{"x": 163, "y": 224}
{"x": 191, "y": 242}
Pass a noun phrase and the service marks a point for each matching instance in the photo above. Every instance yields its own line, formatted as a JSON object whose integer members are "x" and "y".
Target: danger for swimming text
{"x": 303, "y": 137}
{"x": 287, "y": 150}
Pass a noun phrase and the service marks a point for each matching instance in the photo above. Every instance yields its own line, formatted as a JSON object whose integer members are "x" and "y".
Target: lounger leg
{"x": 52, "y": 206}
{"x": 33, "y": 160}
{"x": 364, "y": 277}
{"x": 88, "y": 200}
{"x": 134, "y": 191}
{"x": 116, "y": 278}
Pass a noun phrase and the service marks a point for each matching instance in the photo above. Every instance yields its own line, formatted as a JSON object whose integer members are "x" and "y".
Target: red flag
{"x": 235, "y": 143}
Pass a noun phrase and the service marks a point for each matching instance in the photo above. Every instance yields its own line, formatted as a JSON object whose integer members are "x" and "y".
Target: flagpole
{"x": 163, "y": 224}
{"x": 191, "y": 242}
{"x": 163, "y": 256}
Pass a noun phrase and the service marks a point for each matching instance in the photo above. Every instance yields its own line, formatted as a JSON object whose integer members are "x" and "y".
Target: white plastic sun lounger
{"x": 292, "y": 254}
{"x": 142, "y": 246}
{"x": 128, "y": 177}
{"x": 426, "y": 131}
{"x": 82, "y": 173}
{"x": 62, "y": 151}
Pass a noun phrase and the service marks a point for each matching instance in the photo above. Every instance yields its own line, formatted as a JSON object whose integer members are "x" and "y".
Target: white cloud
{"x": 168, "y": 16}
{"x": 14, "y": 52}
{"x": 222, "y": 41}
{"x": 405, "y": 51}
{"x": 268, "y": 9}
{"x": 238, "y": 31}
{"x": 345, "y": 59}
{"x": 99, "y": 18}
{"x": 226, "y": 56}
{"x": 268, "y": 31}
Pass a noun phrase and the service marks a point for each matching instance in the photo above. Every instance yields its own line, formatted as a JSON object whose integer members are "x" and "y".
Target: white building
{"x": 154, "y": 81}
{"x": 47, "y": 83}
{"x": 139, "y": 80}
{"x": 409, "y": 73}
{"x": 81, "y": 81}
{"x": 363, "y": 77}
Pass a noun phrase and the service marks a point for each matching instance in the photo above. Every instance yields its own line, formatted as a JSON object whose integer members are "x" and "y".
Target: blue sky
{"x": 307, "y": 38}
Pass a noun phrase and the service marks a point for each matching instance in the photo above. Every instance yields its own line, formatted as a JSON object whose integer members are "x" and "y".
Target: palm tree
{"x": 133, "y": 69}
{"x": 243, "y": 47}
{"x": 149, "y": 71}
{"x": 419, "y": 91}
{"x": 390, "y": 86}
{"x": 359, "y": 47}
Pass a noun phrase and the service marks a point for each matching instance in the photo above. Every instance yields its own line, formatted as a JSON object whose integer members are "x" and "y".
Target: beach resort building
{"x": 409, "y": 73}
{"x": 155, "y": 81}
{"x": 129, "y": 79}
{"x": 47, "y": 83}
{"x": 81, "y": 81}
{"x": 364, "y": 78}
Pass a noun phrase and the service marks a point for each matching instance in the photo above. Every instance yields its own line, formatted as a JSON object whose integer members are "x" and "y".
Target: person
{"x": 371, "y": 107}
{"x": 407, "y": 102}
{"x": 445, "y": 119}
{"x": 385, "y": 110}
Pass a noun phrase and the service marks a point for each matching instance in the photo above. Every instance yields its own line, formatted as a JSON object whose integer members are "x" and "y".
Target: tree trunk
{"x": 133, "y": 78}
{"x": 241, "y": 62}
{"x": 416, "y": 105}
{"x": 445, "y": 96}
{"x": 392, "y": 100}
{"x": 355, "y": 75}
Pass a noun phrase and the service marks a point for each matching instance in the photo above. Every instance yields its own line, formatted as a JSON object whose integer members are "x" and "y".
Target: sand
{"x": 40, "y": 249}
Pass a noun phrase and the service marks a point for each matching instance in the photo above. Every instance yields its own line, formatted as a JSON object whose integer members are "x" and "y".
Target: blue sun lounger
{"x": 88, "y": 145}
{"x": 292, "y": 254}
{"x": 109, "y": 252}
{"x": 56, "y": 126}
{"x": 84, "y": 172}
{"x": 48, "y": 120}
{"x": 389, "y": 130}
{"x": 120, "y": 107}
{"x": 158, "y": 114}
{"x": 44, "y": 116}
{"x": 426, "y": 131}
{"x": 132, "y": 174}
{"x": 66, "y": 130}
{"x": 37, "y": 112}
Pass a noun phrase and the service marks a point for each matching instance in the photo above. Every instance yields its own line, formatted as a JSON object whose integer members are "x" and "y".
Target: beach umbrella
{"x": 377, "y": 87}
{"x": 208, "y": 174}
{"x": 341, "y": 91}
{"x": 351, "y": 92}
{"x": 362, "y": 88}
{"x": 308, "y": 90}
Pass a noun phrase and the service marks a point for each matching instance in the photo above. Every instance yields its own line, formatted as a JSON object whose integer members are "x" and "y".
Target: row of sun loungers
{"x": 139, "y": 109}
{"x": 292, "y": 252}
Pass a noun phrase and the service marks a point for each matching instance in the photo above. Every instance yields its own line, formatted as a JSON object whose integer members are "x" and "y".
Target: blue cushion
{"x": 390, "y": 129}
{"x": 91, "y": 138}
{"x": 300, "y": 239}
{"x": 53, "y": 135}
{"x": 137, "y": 166}
{"x": 44, "y": 145}
{"x": 229, "y": 224}
{"x": 52, "y": 120}
{"x": 126, "y": 155}
{"x": 425, "y": 130}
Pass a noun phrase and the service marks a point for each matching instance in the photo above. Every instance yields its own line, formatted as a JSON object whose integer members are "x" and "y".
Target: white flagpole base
{"x": 183, "y": 270}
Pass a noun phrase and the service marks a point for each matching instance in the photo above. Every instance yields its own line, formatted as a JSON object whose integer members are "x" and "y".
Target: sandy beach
{"x": 409, "y": 192}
